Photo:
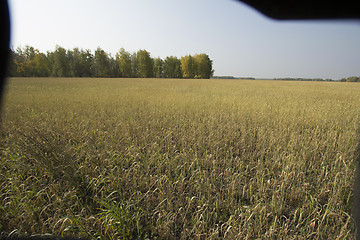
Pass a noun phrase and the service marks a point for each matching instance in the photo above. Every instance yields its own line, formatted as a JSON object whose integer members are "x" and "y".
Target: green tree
{"x": 102, "y": 64}
{"x": 24, "y": 61}
{"x": 86, "y": 63}
{"x": 203, "y": 66}
{"x": 158, "y": 68}
{"x": 29, "y": 63}
{"x": 188, "y": 66}
{"x": 74, "y": 62}
{"x": 353, "y": 79}
{"x": 59, "y": 62}
{"x": 80, "y": 62}
{"x": 134, "y": 65}
{"x": 114, "y": 68}
{"x": 123, "y": 59}
{"x": 145, "y": 64}
{"x": 40, "y": 65}
{"x": 16, "y": 63}
{"x": 172, "y": 67}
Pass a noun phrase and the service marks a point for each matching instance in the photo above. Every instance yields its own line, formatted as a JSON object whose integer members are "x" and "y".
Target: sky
{"x": 240, "y": 41}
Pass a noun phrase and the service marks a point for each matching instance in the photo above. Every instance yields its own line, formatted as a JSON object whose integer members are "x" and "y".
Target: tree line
{"x": 305, "y": 79}
{"x": 350, "y": 79}
{"x": 30, "y": 62}
{"x": 232, "y": 77}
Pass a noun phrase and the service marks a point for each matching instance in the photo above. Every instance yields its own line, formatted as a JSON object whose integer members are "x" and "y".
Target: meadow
{"x": 178, "y": 159}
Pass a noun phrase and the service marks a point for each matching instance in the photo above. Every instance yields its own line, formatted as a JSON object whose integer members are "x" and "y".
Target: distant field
{"x": 178, "y": 159}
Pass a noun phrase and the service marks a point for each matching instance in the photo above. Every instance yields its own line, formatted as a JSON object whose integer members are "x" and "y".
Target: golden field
{"x": 178, "y": 159}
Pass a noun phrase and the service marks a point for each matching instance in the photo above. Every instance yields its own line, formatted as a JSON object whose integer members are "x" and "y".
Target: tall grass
{"x": 178, "y": 159}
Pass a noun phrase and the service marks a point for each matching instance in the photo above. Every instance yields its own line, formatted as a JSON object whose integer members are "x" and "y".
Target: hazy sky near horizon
{"x": 240, "y": 41}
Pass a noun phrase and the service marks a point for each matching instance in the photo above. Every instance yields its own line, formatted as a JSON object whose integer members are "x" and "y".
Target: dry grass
{"x": 179, "y": 159}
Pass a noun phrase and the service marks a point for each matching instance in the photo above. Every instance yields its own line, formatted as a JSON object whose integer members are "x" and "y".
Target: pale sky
{"x": 240, "y": 41}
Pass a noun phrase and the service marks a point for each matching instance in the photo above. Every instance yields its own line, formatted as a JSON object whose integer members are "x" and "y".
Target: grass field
{"x": 178, "y": 159}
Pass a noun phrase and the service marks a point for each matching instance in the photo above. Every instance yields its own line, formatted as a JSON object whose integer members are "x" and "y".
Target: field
{"x": 178, "y": 159}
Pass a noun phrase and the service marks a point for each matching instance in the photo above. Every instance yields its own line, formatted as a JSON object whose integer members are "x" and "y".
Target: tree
{"x": 114, "y": 68}
{"x": 40, "y": 65}
{"x": 353, "y": 79}
{"x": 80, "y": 63}
{"x": 158, "y": 68}
{"x": 134, "y": 65}
{"x": 145, "y": 64}
{"x": 24, "y": 61}
{"x": 74, "y": 62}
{"x": 188, "y": 66}
{"x": 60, "y": 62}
{"x": 86, "y": 63}
{"x": 123, "y": 59}
{"x": 102, "y": 64}
{"x": 29, "y": 63}
{"x": 203, "y": 66}
{"x": 172, "y": 67}
{"x": 16, "y": 63}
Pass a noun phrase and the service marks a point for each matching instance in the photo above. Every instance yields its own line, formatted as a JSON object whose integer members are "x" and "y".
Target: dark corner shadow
{"x": 306, "y": 9}
{"x": 4, "y": 43}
